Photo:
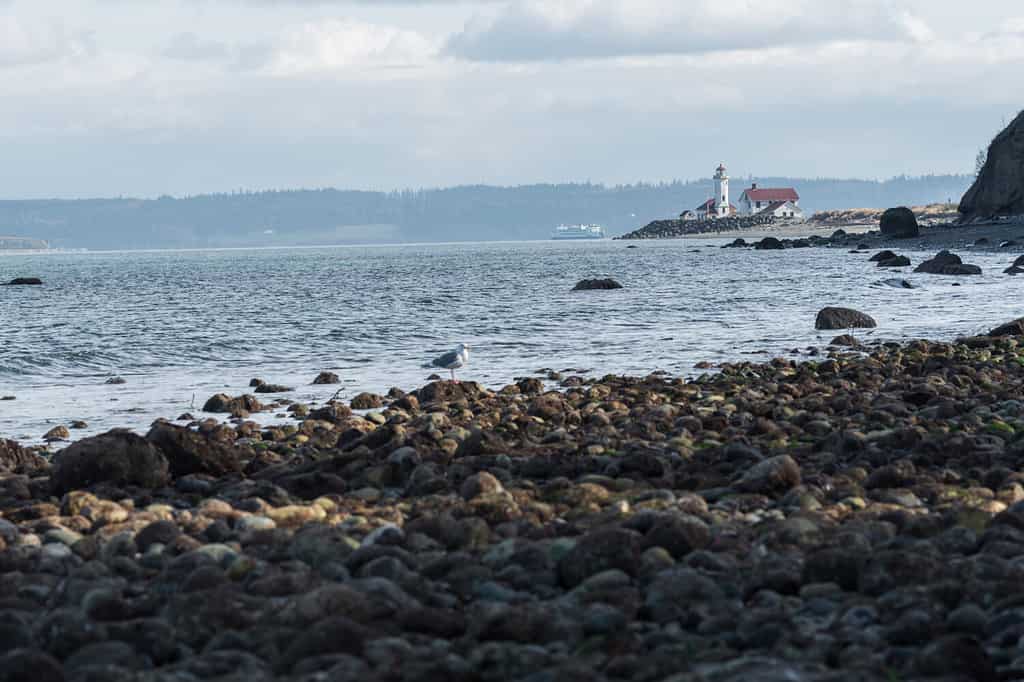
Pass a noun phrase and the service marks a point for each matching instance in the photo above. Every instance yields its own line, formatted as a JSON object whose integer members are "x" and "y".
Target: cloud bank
{"x": 535, "y": 30}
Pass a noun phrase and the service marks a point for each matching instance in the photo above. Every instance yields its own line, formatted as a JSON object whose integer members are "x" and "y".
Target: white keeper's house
{"x": 781, "y": 202}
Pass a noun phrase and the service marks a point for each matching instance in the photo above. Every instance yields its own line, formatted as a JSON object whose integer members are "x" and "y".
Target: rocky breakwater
{"x": 671, "y": 229}
{"x": 855, "y": 518}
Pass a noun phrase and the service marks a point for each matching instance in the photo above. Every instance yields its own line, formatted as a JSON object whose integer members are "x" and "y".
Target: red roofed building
{"x": 756, "y": 199}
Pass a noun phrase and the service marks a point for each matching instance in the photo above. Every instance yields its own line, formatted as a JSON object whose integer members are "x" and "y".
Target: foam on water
{"x": 179, "y": 324}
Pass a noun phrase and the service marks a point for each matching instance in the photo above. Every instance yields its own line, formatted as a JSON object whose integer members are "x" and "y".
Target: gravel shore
{"x": 860, "y": 517}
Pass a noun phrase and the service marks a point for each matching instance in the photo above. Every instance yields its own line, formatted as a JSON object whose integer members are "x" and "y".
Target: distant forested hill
{"x": 332, "y": 216}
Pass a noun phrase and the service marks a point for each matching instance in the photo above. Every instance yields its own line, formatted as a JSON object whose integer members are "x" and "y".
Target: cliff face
{"x": 999, "y": 188}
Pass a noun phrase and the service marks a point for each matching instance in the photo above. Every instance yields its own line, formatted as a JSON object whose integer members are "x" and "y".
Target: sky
{"x": 105, "y": 98}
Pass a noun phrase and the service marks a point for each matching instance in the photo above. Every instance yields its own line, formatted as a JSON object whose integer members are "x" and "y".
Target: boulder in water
{"x": 844, "y": 340}
{"x": 1013, "y": 328}
{"x": 896, "y": 262}
{"x": 946, "y": 263}
{"x": 897, "y": 283}
{"x": 596, "y": 284}
{"x": 119, "y": 457}
{"x": 999, "y": 188}
{"x": 881, "y": 256}
{"x": 272, "y": 388}
{"x": 838, "y": 234}
{"x": 25, "y": 281}
{"x": 769, "y": 243}
{"x": 899, "y": 223}
{"x": 326, "y": 378}
{"x": 843, "y": 318}
{"x": 223, "y": 403}
{"x": 737, "y": 243}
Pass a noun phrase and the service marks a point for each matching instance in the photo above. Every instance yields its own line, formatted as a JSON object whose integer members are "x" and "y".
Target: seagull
{"x": 453, "y": 360}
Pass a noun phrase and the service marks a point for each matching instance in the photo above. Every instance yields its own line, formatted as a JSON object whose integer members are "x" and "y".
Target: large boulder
{"x": 223, "y": 403}
{"x": 843, "y": 318}
{"x": 189, "y": 452}
{"x": 1013, "y": 328}
{"x": 899, "y": 223}
{"x": 895, "y": 262}
{"x": 999, "y": 188}
{"x": 946, "y": 263}
{"x": 119, "y": 457}
{"x": 769, "y": 244}
{"x": 881, "y": 256}
{"x": 596, "y": 284}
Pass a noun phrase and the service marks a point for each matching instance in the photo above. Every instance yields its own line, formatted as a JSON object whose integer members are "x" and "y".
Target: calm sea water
{"x": 179, "y": 326}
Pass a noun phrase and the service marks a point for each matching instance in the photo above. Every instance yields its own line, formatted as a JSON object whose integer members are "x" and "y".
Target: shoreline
{"x": 812, "y": 518}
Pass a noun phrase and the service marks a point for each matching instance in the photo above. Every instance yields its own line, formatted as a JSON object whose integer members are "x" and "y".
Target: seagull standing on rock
{"x": 453, "y": 360}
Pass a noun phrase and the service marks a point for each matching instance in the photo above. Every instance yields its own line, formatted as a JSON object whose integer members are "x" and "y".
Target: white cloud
{"x": 23, "y": 43}
{"x": 346, "y": 44}
{"x": 527, "y": 30}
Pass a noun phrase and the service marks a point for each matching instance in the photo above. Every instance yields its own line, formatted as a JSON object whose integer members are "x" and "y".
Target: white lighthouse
{"x": 721, "y": 192}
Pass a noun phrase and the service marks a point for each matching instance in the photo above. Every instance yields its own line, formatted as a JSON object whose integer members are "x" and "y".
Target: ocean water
{"x": 179, "y": 326}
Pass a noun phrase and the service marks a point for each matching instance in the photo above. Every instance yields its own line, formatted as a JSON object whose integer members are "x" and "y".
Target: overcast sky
{"x": 122, "y": 97}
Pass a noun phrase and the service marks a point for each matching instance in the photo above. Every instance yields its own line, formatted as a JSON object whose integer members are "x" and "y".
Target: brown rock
{"x": 189, "y": 452}
{"x": 119, "y": 457}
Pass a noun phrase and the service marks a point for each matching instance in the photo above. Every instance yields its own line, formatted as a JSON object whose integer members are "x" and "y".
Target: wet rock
{"x": 842, "y": 318}
{"x": 13, "y": 457}
{"x": 223, "y": 403}
{"x": 957, "y": 655}
{"x": 367, "y": 401}
{"x": 190, "y": 452}
{"x": 118, "y": 457}
{"x": 946, "y": 263}
{"x": 22, "y": 281}
{"x": 769, "y": 243}
{"x": 1014, "y": 328}
{"x": 897, "y": 262}
{"x": 882, "y": 256}
{"x": 775, "y": 475}
{"x": 844, "y": 340}
{"x": 272, "y": 388}
{"x": 326, "y": 378}
{"x": 592, "y": 284}
{"x": 30, "y": 665}
{"x": 482, "y": 483}
{"x": 899, "y": 223}
{"x": 57, "y": 433}
{"x": 116, "y": 381}
{"x": 599, "y": 551}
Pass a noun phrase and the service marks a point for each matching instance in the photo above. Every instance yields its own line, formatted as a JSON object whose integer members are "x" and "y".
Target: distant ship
{"x": 578, "y": 232}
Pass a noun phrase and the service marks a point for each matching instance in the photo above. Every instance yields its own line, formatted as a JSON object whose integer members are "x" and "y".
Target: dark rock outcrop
{"x": 223, "y": 403}
{"x": 594, "y": 284}
{"x": 119, "y": 457}
{"x": 899, "y": 223}
{"x": 189, "y": 452}
{"x": 272, "y": 388}
{"x": 367, "y": 401}
{"x": 882, "y": 256}
{"x": 769, "y": 243}
{"x": 843, "y": 318}
{"x": 946, "y": 263}
{"x": 1013, "y": 328}
{"x": 897, "y": 262}
{"x": 999, "y": 188}
{"x": 324, "y": 378}
{"x": 22, "y": 281}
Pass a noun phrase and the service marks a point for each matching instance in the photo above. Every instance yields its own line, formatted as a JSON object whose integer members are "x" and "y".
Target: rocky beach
{"x": 857, "y": 516}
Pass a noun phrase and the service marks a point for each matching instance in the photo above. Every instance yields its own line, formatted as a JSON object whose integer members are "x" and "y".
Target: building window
{"x": 759, "y": 204}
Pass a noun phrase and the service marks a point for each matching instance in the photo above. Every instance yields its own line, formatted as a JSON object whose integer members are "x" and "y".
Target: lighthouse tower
{"x": 721, "y": 192}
